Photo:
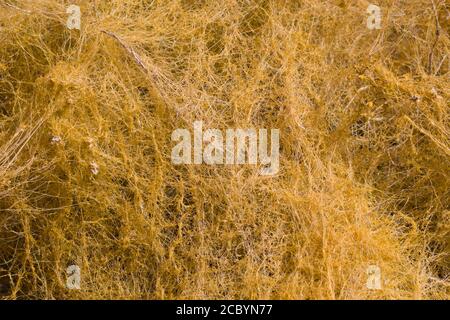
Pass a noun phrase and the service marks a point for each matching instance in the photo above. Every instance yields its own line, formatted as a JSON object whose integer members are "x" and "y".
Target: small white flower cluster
{"x": 94, "y": 168}
{"x": 374, "y": 19}
{"x": 73, "y": 281}
{"x": 74, "y": 20}
{"x": 56, "y": 140}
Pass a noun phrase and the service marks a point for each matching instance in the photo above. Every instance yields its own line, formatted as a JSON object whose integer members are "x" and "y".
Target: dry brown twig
{"x": 437, "y": 33}
{"x": 16, "y": 8}
{"x": 156, "y": 75}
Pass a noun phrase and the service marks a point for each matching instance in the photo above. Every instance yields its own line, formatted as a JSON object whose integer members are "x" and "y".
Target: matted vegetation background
{"x": 364, "y": 158}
